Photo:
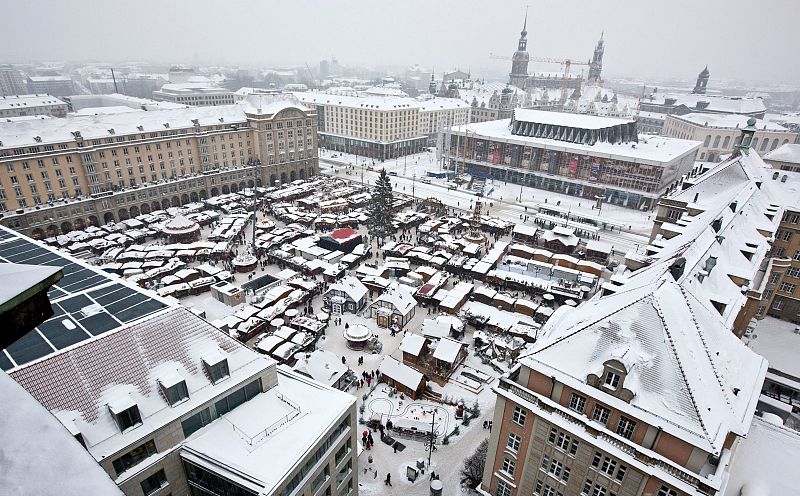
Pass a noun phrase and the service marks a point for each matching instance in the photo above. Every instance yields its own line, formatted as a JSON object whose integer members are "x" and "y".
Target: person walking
{"x": 388, "y": 481}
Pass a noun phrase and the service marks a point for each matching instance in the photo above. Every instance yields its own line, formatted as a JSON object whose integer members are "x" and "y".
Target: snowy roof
{"x": 789, "y": 152}
{"x": 412, "y": 344}
{"x": 272, "y": 433}
{"x": 267, "y": 104}
{"x": 91, "y": 380}
{"x": 323, "y": 366}
{"x": 401, "y": 373}
{"x": 447, "y": 350}
{"x": 727, "y": 121}
{"x": 399, "y": 297}
{"x": 351, "y": 286}
{"x": 778, "y": 342}
{"x": 23, "y": 133}
{"x": 16, "y": 280}
{"x": 435, "y": 328}
{"x": 567, "y": 119}
{"x": 13, "y": 102}
{"x": 684, "y": 365}
{"x": 653, "y": 150}
{"x": 38, "y": 451}
{"x": 765, "y": 463}
{"x": 733, "y": 105}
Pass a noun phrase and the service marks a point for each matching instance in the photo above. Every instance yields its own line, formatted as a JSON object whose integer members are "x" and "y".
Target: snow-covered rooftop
{"x": 653, "y": 150}
{"x": 260, "y": 103}
{"x": 789, "y": 152}
{"x": 447, "y": 350}
{"x": 400, "y": 372}
{"x": 765, "y": 463}
{"x": 777, "y": 341}
{"x": 412, "y": 344}
{"x": 733, "y": 105}
{"x": 567, "y": 119}
{"x": 13, "y": 102}
{"x": 24, "y": 133}
{"x": 727, "y": 121}
{"x": 398, "y": 297}
{"x": 91, "y": 380}
{"x": 262, "y": 442}
{"x": 322, "y": 365}
{"x": 350, "y": 285}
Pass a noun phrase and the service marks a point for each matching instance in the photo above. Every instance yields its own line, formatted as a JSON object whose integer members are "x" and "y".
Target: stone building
{"x": 62, "y": 174}
{"x": 719, "y": 133}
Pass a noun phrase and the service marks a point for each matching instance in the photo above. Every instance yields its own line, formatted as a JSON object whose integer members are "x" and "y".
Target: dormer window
{"x": 216, "y": 366}
{"x": 173, "y": 386}
{"x": 127, "y": 418}
{"x": 612, "y": 379}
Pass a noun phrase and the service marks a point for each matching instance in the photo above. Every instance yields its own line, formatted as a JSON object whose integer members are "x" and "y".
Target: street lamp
{"x": 413, "y": 184}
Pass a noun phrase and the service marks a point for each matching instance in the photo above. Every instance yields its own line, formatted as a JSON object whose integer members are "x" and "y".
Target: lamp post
{"x": 257, "y": 165}
{"x": 413, "y": 184}
{"x": 432, "y": 441}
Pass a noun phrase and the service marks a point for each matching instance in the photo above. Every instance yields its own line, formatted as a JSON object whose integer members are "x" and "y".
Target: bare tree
{"x": 472, "y": 473}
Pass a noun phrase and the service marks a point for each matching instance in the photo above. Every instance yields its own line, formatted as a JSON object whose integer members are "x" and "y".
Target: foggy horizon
{"x": 652, "y": 39}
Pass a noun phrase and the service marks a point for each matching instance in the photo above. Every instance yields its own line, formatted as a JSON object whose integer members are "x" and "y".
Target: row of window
{"x": 625, "y": 426}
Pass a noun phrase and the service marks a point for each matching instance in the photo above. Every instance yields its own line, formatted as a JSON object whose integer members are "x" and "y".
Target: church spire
{"x": 524, "y": 32}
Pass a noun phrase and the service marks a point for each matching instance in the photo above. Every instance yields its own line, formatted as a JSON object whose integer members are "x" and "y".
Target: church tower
{"x": 432, "y": 86}
{"x": 520, "y": 59}
{"x": 702, "y": 82}
{"x": 596, "y": 66}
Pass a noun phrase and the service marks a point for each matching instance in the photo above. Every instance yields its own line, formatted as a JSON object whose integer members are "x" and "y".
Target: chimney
{"x": 733, "y": 206}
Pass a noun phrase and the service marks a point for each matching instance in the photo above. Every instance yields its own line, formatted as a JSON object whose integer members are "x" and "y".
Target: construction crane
{"x": 567, "y": 63}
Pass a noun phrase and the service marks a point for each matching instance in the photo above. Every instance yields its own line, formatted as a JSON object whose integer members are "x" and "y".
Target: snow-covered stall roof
{"x": 323, "y": 366}
{"x": 350, "y": 286}
{"x": 447, "y": 350}
{"x": 412, "y": 344}
{"x": 399, "y": 372}
{"x": 398, "y": 297}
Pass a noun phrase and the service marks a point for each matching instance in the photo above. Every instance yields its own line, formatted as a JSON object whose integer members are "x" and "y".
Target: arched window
{"x": 707, "y": 141}
{"x": 703, "y": 156}
{"x": 716, "y": 141}
{"x": 774, "y": 144}
{"x": 726, "y": 142}
{"x": 754, "y": 144}
{"x": 785, "y": 142}
{"x": 764, "y": 144}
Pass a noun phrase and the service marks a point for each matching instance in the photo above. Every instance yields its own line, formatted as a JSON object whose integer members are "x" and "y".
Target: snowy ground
{"x": 504, "y": 198}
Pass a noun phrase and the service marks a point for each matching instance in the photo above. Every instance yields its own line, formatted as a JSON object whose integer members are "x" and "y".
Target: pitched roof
{"x": 690, "y": 375}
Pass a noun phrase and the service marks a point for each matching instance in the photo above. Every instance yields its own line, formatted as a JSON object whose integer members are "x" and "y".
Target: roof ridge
{"x": 670, "y": 342}
{"x": 705, "y": 344}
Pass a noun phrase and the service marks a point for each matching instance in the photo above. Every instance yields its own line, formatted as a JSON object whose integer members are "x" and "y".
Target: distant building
{"x": 681, "y": 104}
{"x": 100, "y": 86}
{"x": 785, "y": 157}
{"x": 11, "y": 82}
{"x": 520, "y": 59}
{"x": 720, "y": 132}
{"x": 51, "y": 85}
{"x": 200, "y": 94}
{"x": 579, "y": 155}
{"x": 25, "y": 105}
{"x": 596, "y": 66}
{"x": 382, "y": 127}
{"x": 702, "y": 82}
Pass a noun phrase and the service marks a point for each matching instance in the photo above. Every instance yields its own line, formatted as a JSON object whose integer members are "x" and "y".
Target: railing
{"x": 608, "y": 438}
{"x": 254, "y": 440}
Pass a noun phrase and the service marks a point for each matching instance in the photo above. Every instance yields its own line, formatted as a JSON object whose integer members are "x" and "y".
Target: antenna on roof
{"x": 113, "y": 77}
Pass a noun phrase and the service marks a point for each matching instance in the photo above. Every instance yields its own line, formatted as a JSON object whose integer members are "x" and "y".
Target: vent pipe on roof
{"x": 696, "y": 196}
{"x": 716, "y": 225}
{"x": 733, "y": 206}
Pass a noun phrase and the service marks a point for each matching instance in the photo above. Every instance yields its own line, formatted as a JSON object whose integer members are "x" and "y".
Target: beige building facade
{"x": 720, "y": 132}
{"x": 382, "y": 127}
{"x": 30, "y": 105}
{"x": 62, "y": 174}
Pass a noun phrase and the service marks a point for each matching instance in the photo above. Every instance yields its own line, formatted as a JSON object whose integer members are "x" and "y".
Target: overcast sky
{"x": 753, "y": 40}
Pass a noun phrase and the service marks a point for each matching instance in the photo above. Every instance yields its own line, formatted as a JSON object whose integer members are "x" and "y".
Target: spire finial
{"x": 525, "y": 24}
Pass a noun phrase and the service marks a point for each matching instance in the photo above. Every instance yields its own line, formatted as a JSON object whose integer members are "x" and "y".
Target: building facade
{"x": 28, "y": 105}
{"x": 11, "y": 82}
{"x": 785, "y": 157}
{"x": 681, "y": 104}
{"x": 198, "y": 94}
{"x": 719, "y": 133}
{"x": 569, "y": 154}
{"x": 51, "y": 85}
{"x": 782, "y": 294}
{"x": 57, "y": 175}
{"x": 382, "y": 127}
